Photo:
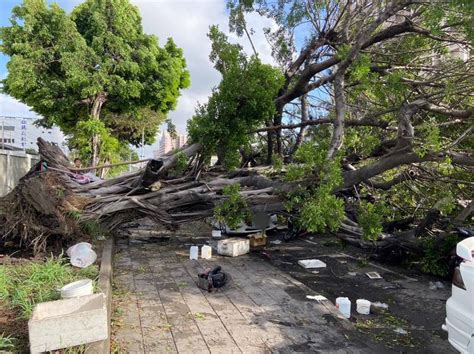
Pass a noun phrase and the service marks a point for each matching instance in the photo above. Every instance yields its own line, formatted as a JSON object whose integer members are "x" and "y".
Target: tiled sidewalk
{"x": 262, "y": 310}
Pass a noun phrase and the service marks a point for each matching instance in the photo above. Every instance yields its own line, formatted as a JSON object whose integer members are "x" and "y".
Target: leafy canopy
{"x": 64, "y": 65}
{"x": 243, "y": 101}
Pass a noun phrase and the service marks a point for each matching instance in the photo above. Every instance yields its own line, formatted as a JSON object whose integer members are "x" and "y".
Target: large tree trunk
{"x": 50, "y": 205}
{"x": 95, "y": 114}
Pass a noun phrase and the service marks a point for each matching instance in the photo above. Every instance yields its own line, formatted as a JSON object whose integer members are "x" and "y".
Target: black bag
{"x": 212, "y": 279}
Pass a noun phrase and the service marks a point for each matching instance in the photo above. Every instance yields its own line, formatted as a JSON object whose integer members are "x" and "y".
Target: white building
{"x": 22, "y": 133}
{"x": 167, "y": 143}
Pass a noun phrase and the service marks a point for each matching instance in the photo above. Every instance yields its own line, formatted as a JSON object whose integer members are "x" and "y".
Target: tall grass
{"x": 23, "y": 286}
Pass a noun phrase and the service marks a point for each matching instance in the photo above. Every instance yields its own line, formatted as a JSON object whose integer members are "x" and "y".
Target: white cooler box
{"x": 233, "y": 247}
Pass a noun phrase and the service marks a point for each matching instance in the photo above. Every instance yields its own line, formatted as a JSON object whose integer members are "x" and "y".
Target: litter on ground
{"x": 316, "y": 297}
{"x": 312, "y": 263}
{"x": 373, "y": 275}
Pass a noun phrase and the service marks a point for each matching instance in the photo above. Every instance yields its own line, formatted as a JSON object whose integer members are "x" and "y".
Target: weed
{"x": 23, "y": 286}
{"x": 199, "y": 316}
{"x": 74, "y": 214}
{"x": 6, "y": 342}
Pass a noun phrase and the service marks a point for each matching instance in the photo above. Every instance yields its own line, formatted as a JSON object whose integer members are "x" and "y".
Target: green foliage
{"x": 370, "y": 218}
{"x": 132, "y": 126}
{"x": 436, "y": 254}
{"x": 7, "y": 343}
{"x": 242, "y": 101}
{"x": 234, "y": 209}
{"x": 277, "y": 163}
{"x": 320, "y": 210}
{"x": 430, "y": 138}
{"x": 62, "y": 65}
{"x": 181, "y": 164}
{"x": 92, "y": 228}
{"x": 23, "y": 286}
{"x": 311, "y": 156}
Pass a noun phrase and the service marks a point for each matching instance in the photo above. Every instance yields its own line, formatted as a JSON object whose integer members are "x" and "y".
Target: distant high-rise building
{"x": 167, "y": 143}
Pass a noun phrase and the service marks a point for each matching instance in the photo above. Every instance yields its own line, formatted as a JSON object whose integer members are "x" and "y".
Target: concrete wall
{"x": 13, "y": 166}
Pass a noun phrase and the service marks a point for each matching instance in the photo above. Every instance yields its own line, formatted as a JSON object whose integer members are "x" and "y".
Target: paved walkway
{"x": 262, "y": 310}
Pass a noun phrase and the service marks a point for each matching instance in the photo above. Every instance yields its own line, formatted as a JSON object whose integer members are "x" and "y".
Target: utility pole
{"x": 143, "y": 144}
{"x": 3, "y": 135}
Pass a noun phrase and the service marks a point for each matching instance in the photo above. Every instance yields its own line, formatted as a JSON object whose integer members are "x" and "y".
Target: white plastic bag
{"x": 81, "y": 254}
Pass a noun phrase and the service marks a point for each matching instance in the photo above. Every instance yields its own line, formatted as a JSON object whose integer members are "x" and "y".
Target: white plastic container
{"x": 206, "y": 252}
{"x": 194, "y": 252}
{"x": 233, "y": 247}
{"x": 81, "y": 287}
{"x": 216, "y": 233}
{"x": 82, "y": 255}
{"x": 344, "y": 306}
{"x": 363, "y": 306}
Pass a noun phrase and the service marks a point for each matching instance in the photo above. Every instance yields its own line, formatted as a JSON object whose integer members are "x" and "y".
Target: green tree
{"x": 94, "y": 63}
{"x": 242, "y": 102}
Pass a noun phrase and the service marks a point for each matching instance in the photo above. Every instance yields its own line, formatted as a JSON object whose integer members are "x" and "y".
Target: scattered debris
{"x": 275, "y": 242}
{"x": 436, "y": 285}
{"x": 379, "y": 306}
{"x": 389, "y": 287}
{"x": 206, "y": 252}
{"x": 318, "y": 298}
{"x": 315, "y": 272}
{"x": 67, "y": 323}
{"x": 211, "y": 280}
{"x": 82, "y": 255}
{"x": 78, "y": 288}
{"x": 216, "y": 233}
{"x": 373, "y": 275}
{"x": 194, "y": 252}
{"x": 401, "y": 331}
{"x": 363, "y": 306}
{"x": 258, "y": 240}
{"x": 312, "y": 263}
{"x": 344, "y": 306}
{"x": 233, "y": 247}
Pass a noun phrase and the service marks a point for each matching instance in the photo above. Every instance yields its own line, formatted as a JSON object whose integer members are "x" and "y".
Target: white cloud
{"x": 12, "y": 107}
{"x": 188, "y": 22}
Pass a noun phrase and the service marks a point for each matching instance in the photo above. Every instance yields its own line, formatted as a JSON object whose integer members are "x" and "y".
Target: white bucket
{"x": 78, "y": 288}
{"x": 363, "y": 306}
{"x": 344, "y": 306}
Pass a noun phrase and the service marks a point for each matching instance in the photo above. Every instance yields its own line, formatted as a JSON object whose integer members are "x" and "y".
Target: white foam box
{"x": 68, "y": 322}
{"x": 233, "y": 247}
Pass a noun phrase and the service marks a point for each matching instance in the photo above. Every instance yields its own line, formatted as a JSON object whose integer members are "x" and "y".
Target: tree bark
{"x": 97, "y": 104}
{"x": 340, "y": 103}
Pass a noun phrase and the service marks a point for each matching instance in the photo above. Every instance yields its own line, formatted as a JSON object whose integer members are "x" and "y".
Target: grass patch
{"x": 23, "y": 286}
{"x": 7, "y": 343}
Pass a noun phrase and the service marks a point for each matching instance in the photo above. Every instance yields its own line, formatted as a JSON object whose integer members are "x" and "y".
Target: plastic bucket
{"x": 363, "y": 306}
{"x": 78, "y": 288}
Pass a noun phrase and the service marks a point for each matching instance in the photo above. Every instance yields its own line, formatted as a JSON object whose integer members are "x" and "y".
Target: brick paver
{"x": 262, "y": 310}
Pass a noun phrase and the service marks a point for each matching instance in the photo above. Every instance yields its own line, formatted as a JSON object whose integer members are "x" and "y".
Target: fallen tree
{"x": 49, "y": 205}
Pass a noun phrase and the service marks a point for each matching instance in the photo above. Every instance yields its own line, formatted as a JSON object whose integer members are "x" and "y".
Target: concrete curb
{"x": 104, "y": 285}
